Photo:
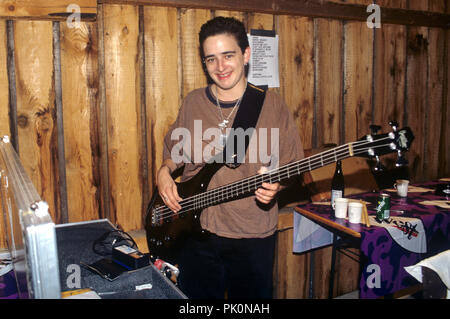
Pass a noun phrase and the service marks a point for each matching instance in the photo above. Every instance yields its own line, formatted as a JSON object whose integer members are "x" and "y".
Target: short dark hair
{"x": 224, "y": 25}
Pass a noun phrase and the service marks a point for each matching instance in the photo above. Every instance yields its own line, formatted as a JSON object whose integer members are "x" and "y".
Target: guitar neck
{"x": 251, "y": 184}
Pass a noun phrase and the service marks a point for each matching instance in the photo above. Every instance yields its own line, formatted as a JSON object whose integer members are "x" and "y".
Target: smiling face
{"x": 225, "y": 62}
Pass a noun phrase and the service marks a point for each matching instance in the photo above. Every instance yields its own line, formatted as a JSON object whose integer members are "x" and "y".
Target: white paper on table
{"x": 408, "y": 232}
{"x": 309, "y": 235}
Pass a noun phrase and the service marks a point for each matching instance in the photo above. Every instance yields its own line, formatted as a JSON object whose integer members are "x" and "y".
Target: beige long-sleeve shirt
{"x": 274, "y": 142}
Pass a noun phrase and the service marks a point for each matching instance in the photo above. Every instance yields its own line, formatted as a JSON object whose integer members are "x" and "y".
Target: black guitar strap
{"x": 246, "y": 117}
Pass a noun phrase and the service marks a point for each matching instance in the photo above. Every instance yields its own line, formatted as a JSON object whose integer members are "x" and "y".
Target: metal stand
{"x": 333, "y": 263}
{"x": 338, "y": 244}
{"x": 311, "y": 275}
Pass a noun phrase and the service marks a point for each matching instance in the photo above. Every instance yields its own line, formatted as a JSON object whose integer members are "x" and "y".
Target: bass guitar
{"x": 166, "y": 230}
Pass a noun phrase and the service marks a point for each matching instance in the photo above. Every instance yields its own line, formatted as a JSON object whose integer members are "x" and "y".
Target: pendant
{"x": 223, "y": 124}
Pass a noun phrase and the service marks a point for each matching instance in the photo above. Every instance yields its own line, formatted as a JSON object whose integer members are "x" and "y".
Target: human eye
{"x": 210, "y": 60}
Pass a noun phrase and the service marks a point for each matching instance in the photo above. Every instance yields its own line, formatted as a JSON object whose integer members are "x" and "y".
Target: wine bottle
{"x": 337, "y": 183}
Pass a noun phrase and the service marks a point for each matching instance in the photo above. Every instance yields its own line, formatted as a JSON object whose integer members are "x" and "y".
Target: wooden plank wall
{"x": 4, "y": 110}
{"x": 124, "y": 74}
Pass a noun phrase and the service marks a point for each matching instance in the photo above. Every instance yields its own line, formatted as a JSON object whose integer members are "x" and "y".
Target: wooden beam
{"x": 4, "y": 86}
{"x": 47, "y": 10}
{"x": 62, "y": 185}
{"x": 315, "y": 9}
{"x": 12, "y": 93}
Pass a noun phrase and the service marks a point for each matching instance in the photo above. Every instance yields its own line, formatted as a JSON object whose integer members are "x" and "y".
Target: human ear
{"x": 247, "y": 54}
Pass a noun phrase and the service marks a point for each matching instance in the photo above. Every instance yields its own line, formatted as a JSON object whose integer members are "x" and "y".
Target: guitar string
{"x": 164, "y": 210}
{"x": 279, "y": 174}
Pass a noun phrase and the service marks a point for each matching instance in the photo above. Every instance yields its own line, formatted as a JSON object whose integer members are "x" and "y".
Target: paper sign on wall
{"x": 263, "y": 65}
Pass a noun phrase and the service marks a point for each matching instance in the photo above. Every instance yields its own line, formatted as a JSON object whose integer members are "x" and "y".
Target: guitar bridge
{"x": 156, "y": 218}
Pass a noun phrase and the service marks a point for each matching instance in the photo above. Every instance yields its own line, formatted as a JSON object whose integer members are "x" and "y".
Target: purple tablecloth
{"x": 8, "y": 288}
{"x": 382, "y": 259}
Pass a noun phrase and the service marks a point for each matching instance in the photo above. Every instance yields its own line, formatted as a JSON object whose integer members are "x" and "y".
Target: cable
{"x": 105, "y": 243}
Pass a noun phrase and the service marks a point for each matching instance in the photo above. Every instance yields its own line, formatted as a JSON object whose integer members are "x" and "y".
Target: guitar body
{"x": 167, "y": 231}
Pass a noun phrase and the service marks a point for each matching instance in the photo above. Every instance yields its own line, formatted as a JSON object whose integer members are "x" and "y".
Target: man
{"x": 237, "y": 256}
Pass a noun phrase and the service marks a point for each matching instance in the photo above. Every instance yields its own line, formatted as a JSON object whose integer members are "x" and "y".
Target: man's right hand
{"x": 168, "y": 189}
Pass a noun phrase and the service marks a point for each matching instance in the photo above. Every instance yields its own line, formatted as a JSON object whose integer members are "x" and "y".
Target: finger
{"x": 175, "y": 193}
{"x": 175, "y": 199}
{"x": 263, "y": 198}
{"x": 264, "y": 193}
{"x": 173, "y": 205}
{"x": 274, "y": 186}
{"x": 170, "y": 200}
{"x": 267, "y": 192}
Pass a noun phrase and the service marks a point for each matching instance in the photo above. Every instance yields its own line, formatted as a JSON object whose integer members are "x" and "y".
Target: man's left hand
{"x": 267, "y": 192}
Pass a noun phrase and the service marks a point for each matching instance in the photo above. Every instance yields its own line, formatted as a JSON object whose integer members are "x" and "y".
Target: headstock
{"x": 374, "y": 145}
{"x": 401, "y": 160}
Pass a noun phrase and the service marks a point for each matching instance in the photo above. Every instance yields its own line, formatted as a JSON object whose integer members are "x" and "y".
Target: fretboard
{"x": 249, "y": 185}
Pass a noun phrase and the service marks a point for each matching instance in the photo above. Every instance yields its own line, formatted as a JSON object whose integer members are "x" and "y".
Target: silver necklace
{"x": 224, "y": 124}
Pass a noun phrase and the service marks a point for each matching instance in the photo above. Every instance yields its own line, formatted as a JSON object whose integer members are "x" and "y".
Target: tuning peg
{"x": 401, "y": 160}
{"x": 394, "y": 125}
{"x": 378, "y": 166}
{"x": 374, "y": 129}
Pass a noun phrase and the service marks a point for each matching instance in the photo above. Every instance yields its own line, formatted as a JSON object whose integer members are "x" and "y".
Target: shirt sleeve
{"x": 175, "y": 140}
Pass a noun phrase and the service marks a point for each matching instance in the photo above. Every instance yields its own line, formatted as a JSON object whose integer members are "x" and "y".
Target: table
{"x": 382, "y": 258}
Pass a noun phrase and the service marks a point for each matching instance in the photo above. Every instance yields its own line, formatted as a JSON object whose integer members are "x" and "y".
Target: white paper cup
{"x": 354, "y": 212}
{"x": 340, "y": 207}
{"x": 401, "y": 185}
